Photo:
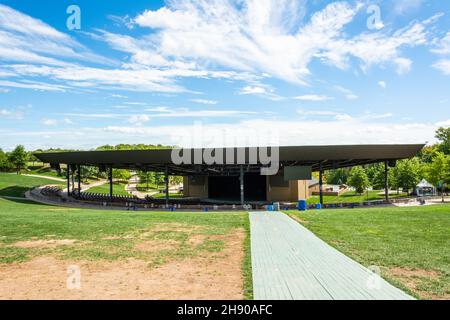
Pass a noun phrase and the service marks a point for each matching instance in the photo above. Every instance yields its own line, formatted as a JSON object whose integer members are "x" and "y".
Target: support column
{"x": 321, "y": 185}
{"x": 241, "y": 183}
{"x": 68, "y": 179}
{"x": 110, "y": 181}
{"x": 73, "y": 179}
{"x": 79, "y": 179}
{"x": 386, "y": 181}
{"x": 166, "y": 181}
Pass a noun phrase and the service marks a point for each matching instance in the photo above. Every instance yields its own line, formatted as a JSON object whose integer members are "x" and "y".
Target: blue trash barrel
{"x": 302, "y": 206}
{"x": 318, "y": 206}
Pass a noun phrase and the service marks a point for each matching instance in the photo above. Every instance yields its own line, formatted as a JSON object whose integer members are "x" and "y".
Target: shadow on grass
{"x": 14, "y": 191}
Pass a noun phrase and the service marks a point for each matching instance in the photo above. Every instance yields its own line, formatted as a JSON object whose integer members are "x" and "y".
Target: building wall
{"x": 196, "y": 187}
{"x": 280, "y": 190}
{"x": 277, "y": 189}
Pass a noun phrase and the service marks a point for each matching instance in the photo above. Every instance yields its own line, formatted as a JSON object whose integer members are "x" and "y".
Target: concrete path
{"x": 131, "y": 188}
{"x": 290, "y": 262}
{"x": 45, "y": 177}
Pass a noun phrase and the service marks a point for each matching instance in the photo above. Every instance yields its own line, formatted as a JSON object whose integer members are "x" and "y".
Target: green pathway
{"x": 290, "y": 262}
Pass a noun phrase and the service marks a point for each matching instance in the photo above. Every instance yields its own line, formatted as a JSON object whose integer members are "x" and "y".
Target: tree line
{"x": 432, "y": 164}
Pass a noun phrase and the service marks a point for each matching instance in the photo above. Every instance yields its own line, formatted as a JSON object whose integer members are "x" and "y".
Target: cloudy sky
{"x": 258, "y": 71}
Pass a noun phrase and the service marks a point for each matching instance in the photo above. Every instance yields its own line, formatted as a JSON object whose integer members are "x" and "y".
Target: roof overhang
{"x": 325, "y": 157}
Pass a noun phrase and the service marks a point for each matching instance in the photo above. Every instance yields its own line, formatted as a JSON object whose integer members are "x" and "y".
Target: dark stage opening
{"x": 228, "y": 187}
{"x": 254, "y": 187}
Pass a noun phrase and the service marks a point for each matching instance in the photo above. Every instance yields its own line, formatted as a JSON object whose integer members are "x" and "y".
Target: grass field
{"x": 410, "y": 244}
{"x": 352, "y": 196}
{"x": 118, "y": 189}
{"x": 212, "y": 250}
{"x": 14, "y": 185}
{"x": 151, "y": 187}
{"x": 45, "y": 171}
{"x": 171, "y": 195}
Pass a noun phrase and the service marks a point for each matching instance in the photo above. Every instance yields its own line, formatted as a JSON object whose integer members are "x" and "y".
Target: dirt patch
{"x": 215, "y": 275}
{"x": 196, "y": 239}
{"x": 31, "y": 244}
{"x": 410, "y": 273}
{"x": 414, "y": 278}
{"x": 298, "y": 219}
{"x": 156, "y": 245}
{"x": 117, "y": 237}
{"x": 174, "y": 227}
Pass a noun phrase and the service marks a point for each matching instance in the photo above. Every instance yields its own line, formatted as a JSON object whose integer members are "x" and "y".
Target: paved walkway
{"x": 290, "y": 262}
{"x": 45, "y": 177}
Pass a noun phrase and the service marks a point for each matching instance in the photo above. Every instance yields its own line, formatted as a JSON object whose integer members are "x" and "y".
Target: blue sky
{"x": 284, "y": 72}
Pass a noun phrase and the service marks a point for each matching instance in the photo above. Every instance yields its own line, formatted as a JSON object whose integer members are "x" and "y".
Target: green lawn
{"x": 171, "y": 195}
{"x": 118, "y": 189}
{"x": 14, "y": 185}
{"x": 352, "y": 196}
{"x": 410, "y": 244}
{"x": 151, "y": 187}
{"x": 45, "y": 171}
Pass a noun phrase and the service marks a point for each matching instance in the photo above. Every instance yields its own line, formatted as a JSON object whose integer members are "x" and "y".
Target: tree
{"x": 18, "y": 157}
{"x": 4, "y": 163}
{"x": 145, "y": 177}
{"x": 438, "y": 172}
{"x": 427, "y": 154}
{"x": 337, "y": 176}
{"x": 121, "y": 174}
{"x": 175, "y": 180}
{"x": 409, "y": 173}
{"x": 375, "y": 174}
{"x": 358, "y": 179}
{"x": 443, "y": 135}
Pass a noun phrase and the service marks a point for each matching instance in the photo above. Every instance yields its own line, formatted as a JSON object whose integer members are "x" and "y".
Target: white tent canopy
{"x": 424, "y": 188}
{"x": 424, "y": 184}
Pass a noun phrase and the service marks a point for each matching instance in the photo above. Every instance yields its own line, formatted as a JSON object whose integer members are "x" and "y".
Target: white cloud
{"x": 405, "y": 6}
{"x": 26, "y": 39}
{"x": 343, "y": 117}
{"x": 260, "y": 90}
{"x": 348, "y": 94}
{"x": 382, "y": 84}
{"x": 33, "y": 85}
{"x": 12, "y": 114}
{"x": 4, "y": 90}
{"x": 138, "y": 119}
{"x": 290, "y": 132}
{"x": 49, "y": 122}
{"x": 204, "y": 101}
{"x": 136, "y": 103}
{"x": 268, "y": 37}
{"x": 313, "y": 97}
{"x": 443, "y": 66}
{"x": 236, "y": 40}
{"x": 443, "y": 45}
{"x": 316, "y": 113}
{"x": 119, "y": 96}
{"x": 340, "y": 116}
{"x": 162, "y": 112}
{"x": 377, "y": 116}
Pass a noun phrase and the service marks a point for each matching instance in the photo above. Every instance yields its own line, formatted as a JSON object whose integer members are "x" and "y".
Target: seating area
{"x": 51, "y": 191}
{"x": 102, "y": 197}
